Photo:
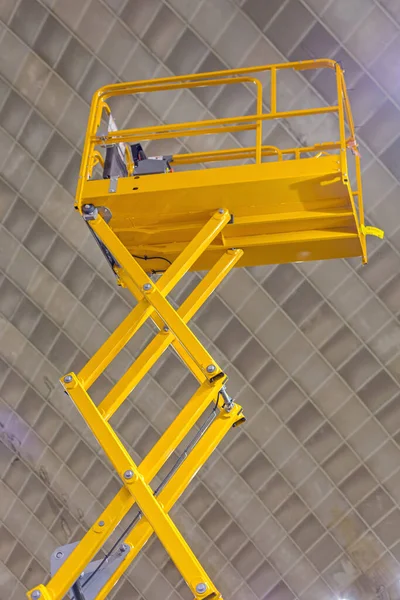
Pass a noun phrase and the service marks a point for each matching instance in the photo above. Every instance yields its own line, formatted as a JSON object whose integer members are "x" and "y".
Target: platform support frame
{"x": 154, "y": 507}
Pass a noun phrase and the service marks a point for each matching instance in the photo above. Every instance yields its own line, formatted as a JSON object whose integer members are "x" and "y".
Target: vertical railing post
{"x": 259, "y": 128}
{"x": 273, "y": 101}
{"x": 342, "y": 126}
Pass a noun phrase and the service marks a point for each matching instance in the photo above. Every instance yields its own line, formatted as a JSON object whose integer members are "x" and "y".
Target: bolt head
{"x": 201, "y": 588}
{"x": 88, "y": 208}
{"x": 210, "y": 369}
{"x": 147, "y": 287}
{"x": 165, "y": 329}
{"x": 101, "y": 523}
{"x": 128, "y": 474}
{"x": 67, "y": 379}
{"x": 35, "y": 595}
{"x": 221, "y": 211}
{"x": 59, "y": 554}
{"x": 124, "y": 548}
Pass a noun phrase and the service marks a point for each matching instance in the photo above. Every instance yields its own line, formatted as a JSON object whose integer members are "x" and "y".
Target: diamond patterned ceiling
{"x": 301, "y": 503}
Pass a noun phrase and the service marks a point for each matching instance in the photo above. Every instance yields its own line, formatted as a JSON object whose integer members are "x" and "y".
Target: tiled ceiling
{"x": 302, "y": 502}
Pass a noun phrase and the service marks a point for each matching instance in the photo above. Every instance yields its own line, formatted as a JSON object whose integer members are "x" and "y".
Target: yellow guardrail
{"x": 234, "y": 124}
{"x": 223, "y": 125}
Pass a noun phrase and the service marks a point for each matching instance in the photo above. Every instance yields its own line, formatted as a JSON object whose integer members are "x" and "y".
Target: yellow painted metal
{"x": 160, "y": 343}
{"x": 136, "y": 486}
{"x": 309, "y": 180}
{"x": 295, "y": 187}
{"x": 140, "y": 535}
{"x": 92, "y": 542}
{"x": 123, "y": 501}
{"x": 155, "y": 298}
{"x": 176, "y": 344}
{"x": 132, "y": 323}
{"x": 298, "y": 206}
{"x": 166, "y": 530}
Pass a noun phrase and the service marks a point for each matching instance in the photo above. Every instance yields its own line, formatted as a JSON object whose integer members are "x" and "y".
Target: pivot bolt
{"x": 128, "y": 474}
{"x": 88, "y": 208}
{"x": 59, "y": 554}
{"x": 210, "y": 369}
{"x": 166, "y": 329}
{"x": 35, "y": 595}
{"x": 67, "y": 379}
{"x": 124, "y": 548}
{"x": 101, "y": 523}
{"x": 147, "y": 287}
{"x": 201, "y": 588}
{"x": 221, "y": 212}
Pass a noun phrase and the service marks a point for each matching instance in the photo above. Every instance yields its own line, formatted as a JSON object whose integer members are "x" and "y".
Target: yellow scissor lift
{"x": 298, "y": 207}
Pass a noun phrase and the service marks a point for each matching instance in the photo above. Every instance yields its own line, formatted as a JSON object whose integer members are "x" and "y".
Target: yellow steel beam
{"x": 88, "y": 547}
{"x": 167, "y": 532}
{"x": 156, "y": 298}
{"x": 175, "y": 487}
{"x": 335, "y": 211}
{"x": 95, "y": 538}
{"x": 160, "y": 343}
{"x": 137, "y": 317}
{"x": 272, "y": 239}
{"x": 292, "y": 237}
{"x": 181, "y": 351}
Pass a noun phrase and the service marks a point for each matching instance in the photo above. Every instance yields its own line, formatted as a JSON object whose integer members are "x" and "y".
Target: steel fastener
{"x": 35, "y": 594}
{"x": 221, "y": 211}
{"x": 59, "y": 554}
{"x": 210, "y": 369}
{"x": 128, "y": 474}
{"x": 101, "y": 523}
{"x": 201, "y": 588}
{"x": 124, "y": 548}
{"x": 68, "y": 379}
{"x": 147, "y": 287}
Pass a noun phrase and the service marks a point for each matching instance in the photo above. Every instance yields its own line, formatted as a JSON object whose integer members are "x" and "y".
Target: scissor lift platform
{"x": 287, "y": 211}
{"x": 282, "y": 205}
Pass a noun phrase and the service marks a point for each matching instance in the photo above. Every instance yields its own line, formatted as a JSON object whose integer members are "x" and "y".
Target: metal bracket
{"x": 105, "y": 213}
{"x": 112, "y": 188}
{"x": 89, "y": 212}
{"x": 95, "y": 585}
{"x": 216, "y": 377}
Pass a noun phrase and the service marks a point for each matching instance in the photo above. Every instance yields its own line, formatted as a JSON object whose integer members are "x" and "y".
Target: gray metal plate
{"x": 102, "y": 576}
